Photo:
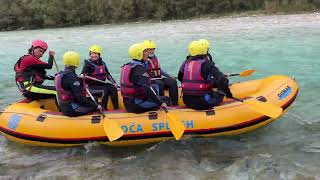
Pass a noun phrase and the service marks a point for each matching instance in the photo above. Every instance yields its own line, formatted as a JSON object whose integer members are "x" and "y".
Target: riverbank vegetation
{"x": 29, "y": 14}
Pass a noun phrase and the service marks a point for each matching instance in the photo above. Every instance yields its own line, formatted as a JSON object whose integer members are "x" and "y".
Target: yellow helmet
{"x": 197, "y": 48}
{"x": 96, "y": 48}
{"x": 149, "y": 44}
{"x": 136, "y": 51}
{"x": 71, "y": 58}
{"x": 205, "y": 42}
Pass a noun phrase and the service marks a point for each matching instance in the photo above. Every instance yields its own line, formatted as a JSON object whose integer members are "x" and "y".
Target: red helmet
{"x": 40, "y": 43}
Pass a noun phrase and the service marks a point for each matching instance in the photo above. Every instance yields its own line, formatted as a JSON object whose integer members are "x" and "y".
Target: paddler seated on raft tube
{"x": 31, "y": 72}
{"x": 95, "y": 67}
{"x": 138, "y": 95}
{"x": 71, "y": 90}
{"x": 198, "y": 76}
{"x": 159, "y": 77}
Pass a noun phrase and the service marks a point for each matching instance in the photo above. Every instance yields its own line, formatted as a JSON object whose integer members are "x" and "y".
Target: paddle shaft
{"x": 223, "y": 94}
{"x": 177, "y": 128}
{"x": 237, "y": 74}
{"x": 162, "y": 77}
{"x": 244, "y": 73}
{"x": 111, "y": 128}
{"x": 264, "y": 108}
{"x": 98, "y": 80}
{"x": 55, "y": 63}
{"x": 89, "y": 93}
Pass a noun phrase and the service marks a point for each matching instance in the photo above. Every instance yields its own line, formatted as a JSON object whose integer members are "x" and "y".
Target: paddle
{"x": 244, "y": 73}
{"x": 177, "y": 127}
{"x": 265, "y": 108}
{"x": 55, "y": 63}
{"x": 111, "y": 127}
{"x": 162, "y": 77}
{"x": 98, "y": 80}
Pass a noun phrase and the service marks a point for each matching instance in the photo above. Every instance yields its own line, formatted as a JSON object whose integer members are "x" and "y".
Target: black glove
{"x": 228, "y": 93}
{"x": 223, "y": 83}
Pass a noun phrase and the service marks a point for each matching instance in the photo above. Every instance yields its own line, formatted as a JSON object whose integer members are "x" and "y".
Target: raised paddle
{"x": 111, "y": 127}
{"x": 177, "y": 127}
{"x": 55, "y": 63}
{"x": 265, "y": 108}
{"x": 244, "y": 73}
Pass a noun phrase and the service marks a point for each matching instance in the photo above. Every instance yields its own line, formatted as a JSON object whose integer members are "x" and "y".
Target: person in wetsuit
{"x": 95, "y": 67}
{"x": 30, "y": 72}
{"x": 199, "y": 75}
{"x": 158, "y": 76}
{"x": 138, "y": 95}
{"x": 71, "y": 90}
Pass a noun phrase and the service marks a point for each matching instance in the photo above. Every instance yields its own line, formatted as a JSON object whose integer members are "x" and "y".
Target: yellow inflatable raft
{"x": 39, "y": 123}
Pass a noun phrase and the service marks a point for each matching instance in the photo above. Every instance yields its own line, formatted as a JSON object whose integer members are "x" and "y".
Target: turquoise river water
{"x": 288, "y": 148}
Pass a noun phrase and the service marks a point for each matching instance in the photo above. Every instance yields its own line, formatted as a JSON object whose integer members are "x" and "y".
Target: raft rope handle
{"x": 279, "y": 86}
{"x": 217, "y": 107}
{"x": 137, "y": 116}
{"x": 71, "y": 118}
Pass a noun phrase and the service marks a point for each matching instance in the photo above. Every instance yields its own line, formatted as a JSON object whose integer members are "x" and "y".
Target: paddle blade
{"x": 112, "y": 129}
{"x": 265, "y": 108}
{"x": 247, "y": 72}
{"x": 177, "y": 127}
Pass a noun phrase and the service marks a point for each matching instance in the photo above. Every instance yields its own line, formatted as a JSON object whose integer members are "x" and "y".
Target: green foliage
{"x": 15, "y": 14}
{"x": 273, "y": 6}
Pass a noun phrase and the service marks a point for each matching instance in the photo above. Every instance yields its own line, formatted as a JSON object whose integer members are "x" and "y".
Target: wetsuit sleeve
{"x": 140, "y": 77}
{"x": 75, "y": 85}
{"x": 164, "y": 73}
{"x": 209, "y": 71}
{"x": 210, "y": 57}
{"x": 38, "y": 64}
{"x": 87, "y": 70}
{"x": 217, "y": 78}
{"x": 109, "y": 77}
{"x": 181, "y": 71}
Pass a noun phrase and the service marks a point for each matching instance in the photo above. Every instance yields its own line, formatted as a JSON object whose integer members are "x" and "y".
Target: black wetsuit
{"x": 81, "y": 104}
{"x": 99, "y": 88}
{"x": 205, "y": 101}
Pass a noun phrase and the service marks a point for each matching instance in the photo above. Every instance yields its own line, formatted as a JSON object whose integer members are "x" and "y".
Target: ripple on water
{"x": 285, "y": 149}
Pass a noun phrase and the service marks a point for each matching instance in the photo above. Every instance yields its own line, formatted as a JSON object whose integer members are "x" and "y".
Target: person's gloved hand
{"x": 116, "y": 85}
{"x": 223, "y": 83}
{"x": 51, "y": 53}
{"x": 164, "y": 105}
{"x": 82, "y": 76}
{"x": 228, "y": 93}
{"x": 99, "y": 108}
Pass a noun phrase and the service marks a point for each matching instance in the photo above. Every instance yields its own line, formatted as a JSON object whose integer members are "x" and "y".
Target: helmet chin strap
{"x": 32, "y": 51}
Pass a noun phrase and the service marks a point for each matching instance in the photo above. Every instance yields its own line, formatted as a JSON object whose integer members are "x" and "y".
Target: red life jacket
{"x": 127, "y": 88}
{"x": 63, "y": 96}
{"x": 25, "y": 73}
{"x": 193, "y": 83}
{"x": 99, "y": 71}
{"x": 154, "y": 67}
